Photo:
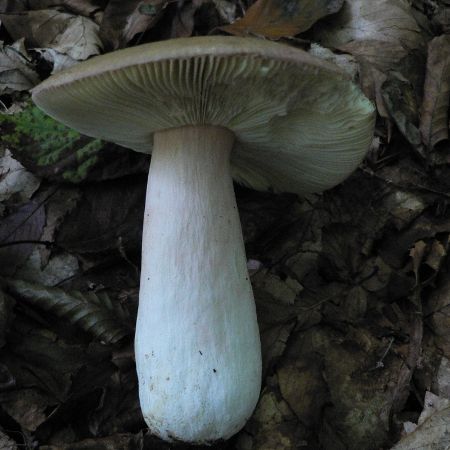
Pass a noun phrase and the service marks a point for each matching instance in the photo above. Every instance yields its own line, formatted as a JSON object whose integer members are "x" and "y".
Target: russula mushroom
{"x": 209, "y": 109}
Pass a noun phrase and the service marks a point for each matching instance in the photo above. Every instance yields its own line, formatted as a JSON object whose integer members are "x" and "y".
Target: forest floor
{"x": 352, "y": 285}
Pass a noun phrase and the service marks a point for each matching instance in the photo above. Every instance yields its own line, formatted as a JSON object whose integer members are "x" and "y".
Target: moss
{"x": 47, "y": 147}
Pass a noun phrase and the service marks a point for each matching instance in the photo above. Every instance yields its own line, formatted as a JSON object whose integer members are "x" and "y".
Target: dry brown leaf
{"x": 275, "y": 19}
{"x": 16, "y": 71}
{"x": 68, "y": 34}
{"x": 417, "y": 253}
{"x": 272, "y": 426}
{"x": 183, "y": 22}
{"x": 226, "y": 10}
{"x": 82, "y": 7}
{"x": 379, "y": 34}
{"x": 434, "y": 125}
{"x": 388, "y": 21}
{"x": 27, "y": 406}
{"x": 79, "y": 40}
{"x": 433, "y": 429}
{"x": 122, "y": 21}
{"x": 15, "y": 181}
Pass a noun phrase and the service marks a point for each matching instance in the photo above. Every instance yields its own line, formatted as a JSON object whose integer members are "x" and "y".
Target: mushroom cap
{"x": 300, "y": 124}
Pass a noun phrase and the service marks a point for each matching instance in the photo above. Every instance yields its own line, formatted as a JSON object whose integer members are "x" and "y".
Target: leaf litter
{"x": 351, "y": 286}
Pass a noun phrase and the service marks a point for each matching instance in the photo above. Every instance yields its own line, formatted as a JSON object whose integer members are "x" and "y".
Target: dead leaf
{"x": 433, "y": 428}
{"x": 286, "y": 18}
{"x": 434, "y": 125}
{"x": 345, "y": 62}
{"x": 404, "y": 206}
{"x": 79, "y": 40}
{"x": 57, "y": 60}
{"x": 6, "y": 316}
{"x": 58, "y": 207}
{"x": 75, "y": 36}
{"x": 36, "y": 357}
{"x": 122, "y": 21}
{"x": 16, "y": 183}
{"x": 226, "y": 10}
{"x": 17, "y": 232}
{"x": 442, "y": 378}
{"x": 6, "y": 443}
{"x": 28, "y": 408}
{"x": 86, "y": 8}
{"x": 387, "y": 21}
{"x": 303, "y": 387}
{"x": 401, "y": 103}
{"x": 121, "y": 441}
{"x": 183, "y": 22}
{"x": 355, "y": 303}
{"x": 272, "y": 426}
{"x": 16, "y": 70}
{"x": 109, "y": 211}
{"x": 13, "y": 5}
{"x": 97, "y": 314}
{"x": 437, "y": 313}
{"x": 417, "y": 254}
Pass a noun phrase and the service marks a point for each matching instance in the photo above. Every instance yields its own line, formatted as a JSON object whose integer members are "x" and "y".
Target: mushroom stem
{"x": 197, "y": 342}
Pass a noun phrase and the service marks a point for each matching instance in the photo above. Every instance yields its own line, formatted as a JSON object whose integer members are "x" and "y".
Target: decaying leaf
{"x": 16, "y": 183}
{"x": 6, "y": 443}
{"x": 16, "y": 70}
{"x": 6, "y": 315}
{"x": 86, "y": 8}
{"x": 437, "y": 313}
{"x": 272, "y": 426}
{"x": 345, "y": 62}
{"x": 122, "y": 21}
{"x": 226, "y": 10}
{"x": 58, "y": 61}
{"x": 111, "y": 214}
{"x": 275, "y": 19}
{"x": 59, "y": 267}
{"x": 68, "y": 34}
{"x": 303, "y": 387}
{"x": 433, "y": 429}
{"x": 434, "y": 125}
{"x": 183, "y": 23}
{"x": 18, "y": 233}
{"x": 36, "y": 357}
{"x": 96, "y": 314}
{"x": 401, "y": 103}
{"x": 386, "y": 21}
{"x": 120, "y": 441}
{"x": 28, "y": 408}
{"x": 79, "y": 40}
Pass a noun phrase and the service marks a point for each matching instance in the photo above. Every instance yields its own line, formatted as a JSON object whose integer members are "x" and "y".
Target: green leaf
{"x": 95, "y": 313}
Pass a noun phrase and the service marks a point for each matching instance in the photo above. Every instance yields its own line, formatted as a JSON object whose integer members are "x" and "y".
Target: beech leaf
{"x": 434, "y": 118}
{"x": 16, "y": 233}
{"x": 16, "y": 71}
{"x": 95, "y": 313}
{"x": 282, "y": 18}
{"x": 71, "y": 35}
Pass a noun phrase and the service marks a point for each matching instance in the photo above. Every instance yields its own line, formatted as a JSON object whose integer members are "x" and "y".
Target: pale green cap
{"x": 300, "y": 124}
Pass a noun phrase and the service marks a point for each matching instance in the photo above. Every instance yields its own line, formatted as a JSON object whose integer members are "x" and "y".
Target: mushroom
{"x": 209, "y": 109}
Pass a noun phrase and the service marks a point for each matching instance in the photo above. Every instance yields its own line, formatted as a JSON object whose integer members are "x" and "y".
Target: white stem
{"x": 197, "y": 342}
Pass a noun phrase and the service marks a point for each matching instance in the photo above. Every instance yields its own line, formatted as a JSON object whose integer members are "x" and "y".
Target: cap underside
{"x": 300, "y": 125}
